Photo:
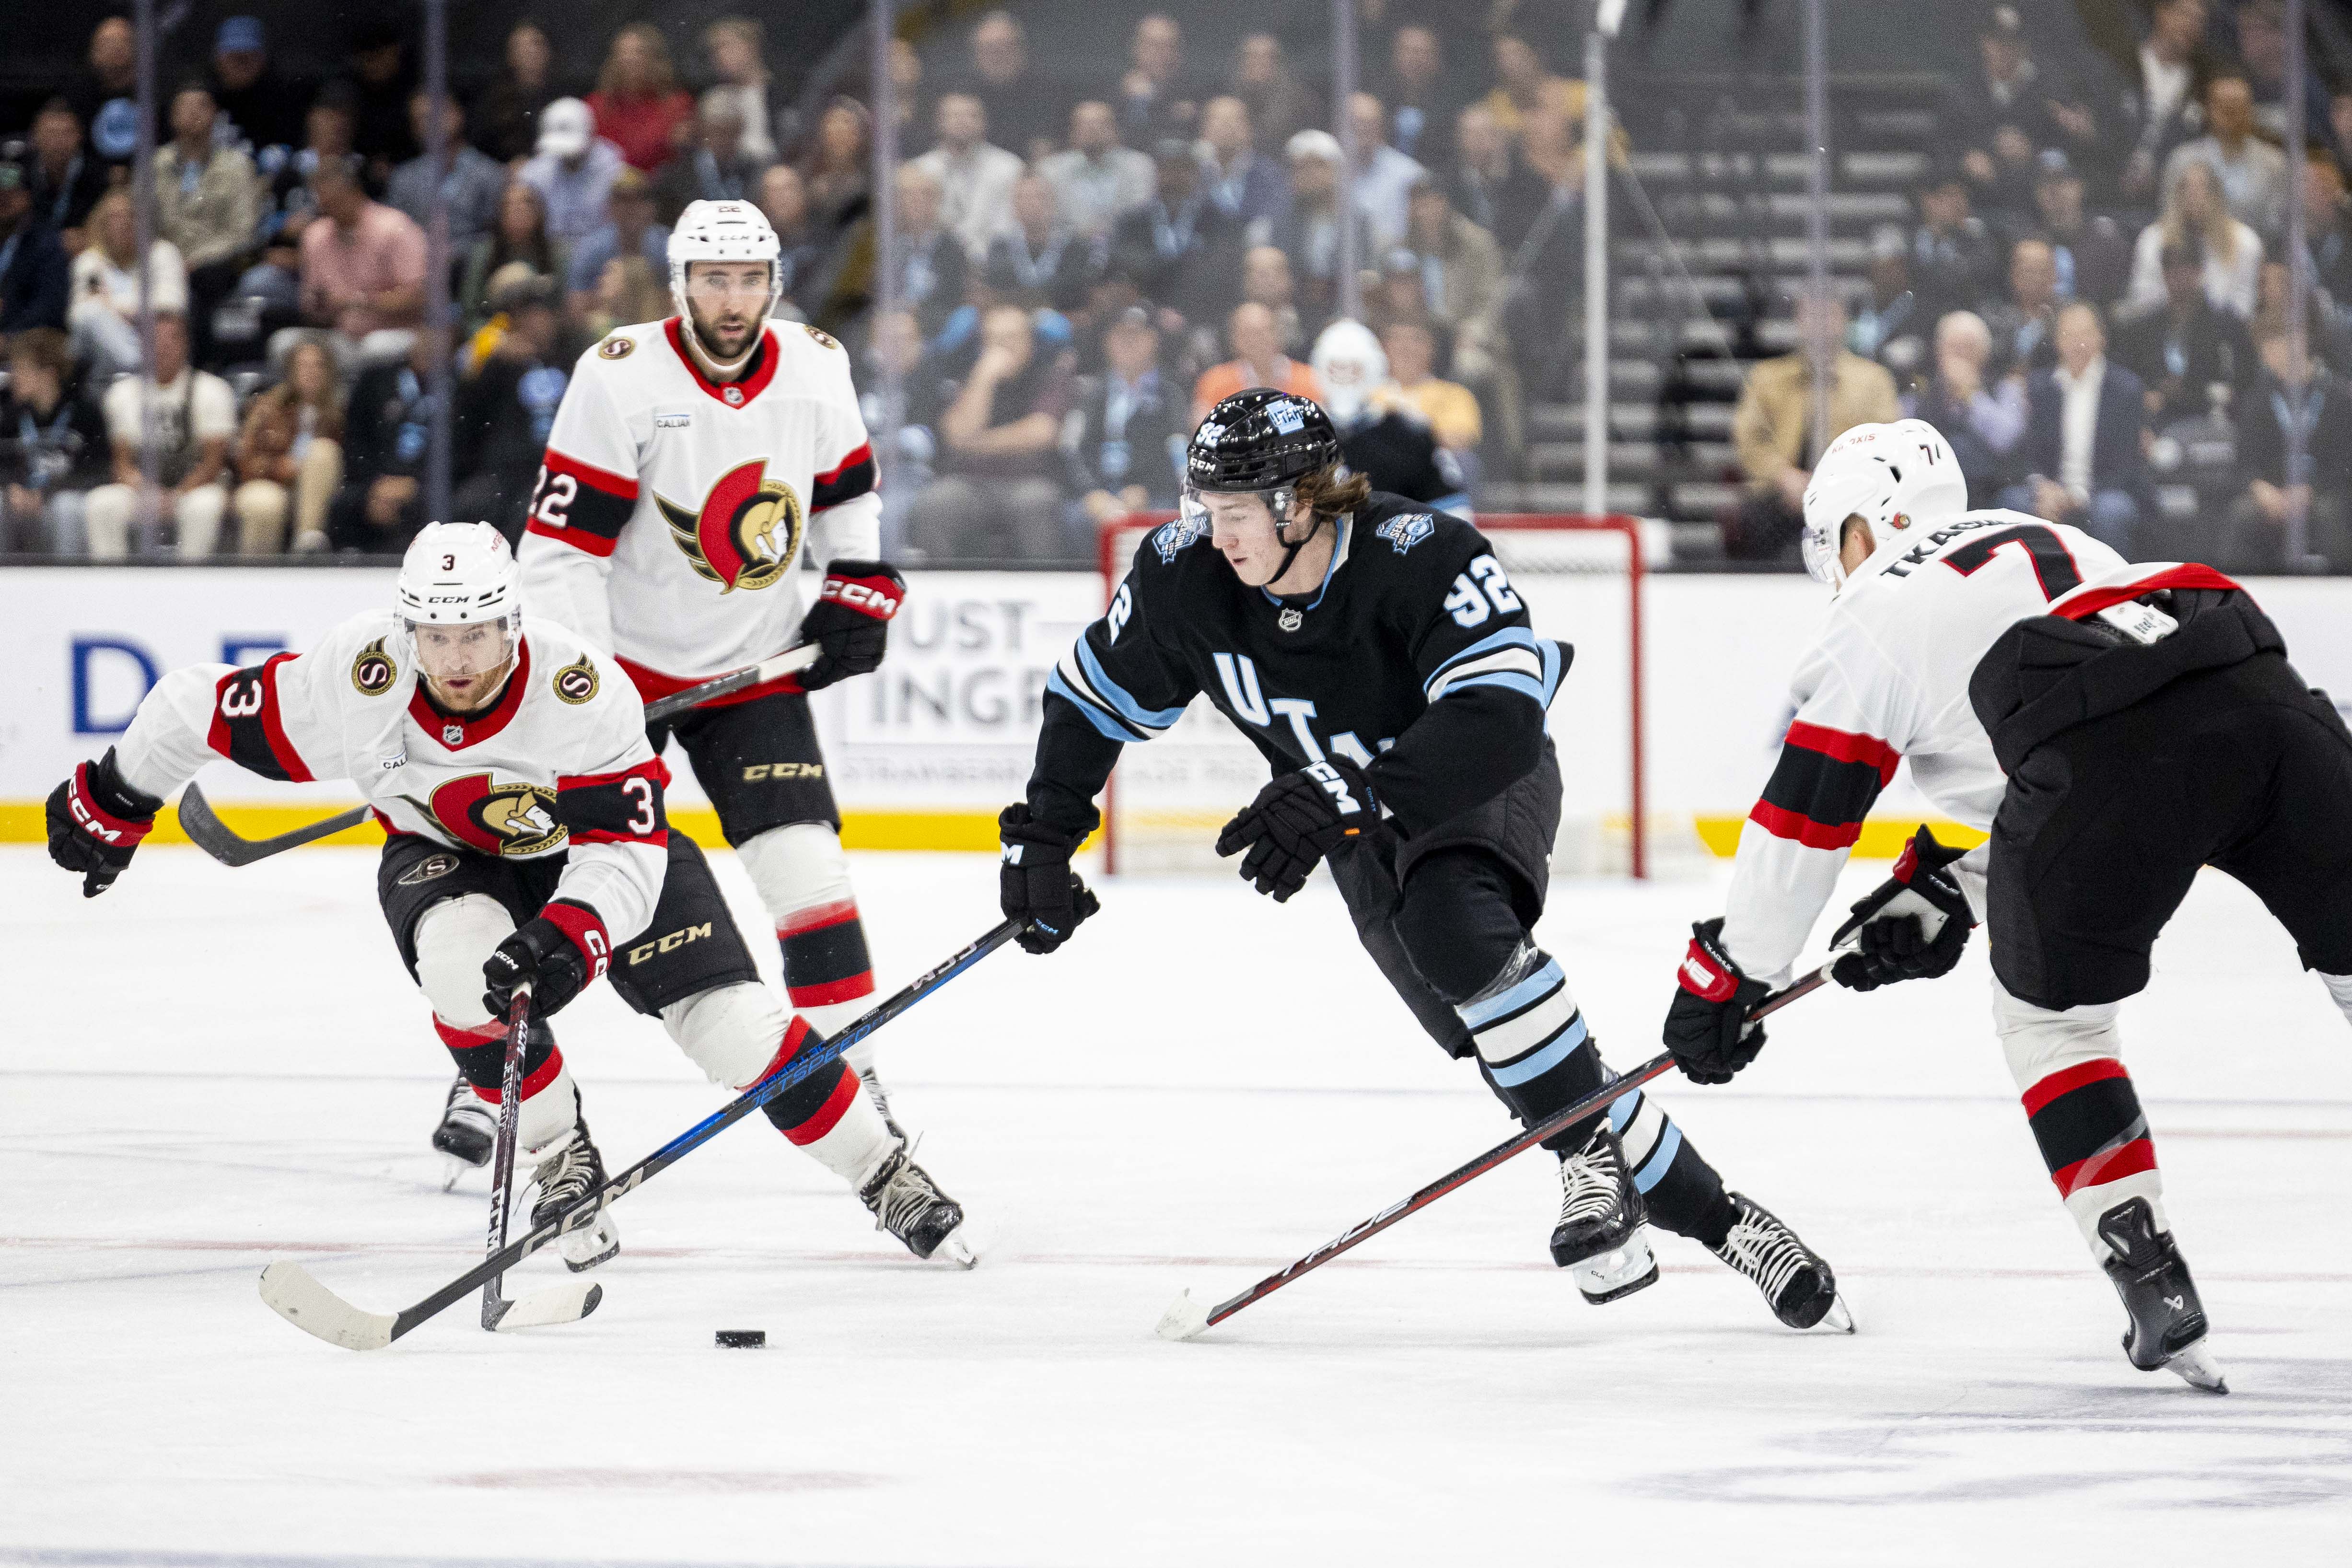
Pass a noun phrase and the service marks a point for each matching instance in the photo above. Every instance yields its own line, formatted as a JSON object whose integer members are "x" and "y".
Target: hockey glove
{"x": 96, "y": 821}
{"x": 560, "y": 952}
{"x": 1297, "y": 820}
{"x": 1707, "y": 1027}
{"x": 1912, "y": 926}
{"x": 851, "y": 620}
{"x": 1036, "y": 884}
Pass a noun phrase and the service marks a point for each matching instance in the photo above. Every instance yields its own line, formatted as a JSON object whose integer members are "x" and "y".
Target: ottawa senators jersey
{"x": 1414, "y": 660}
{"x": 558, "y": 764}
{"x": 672, "y": 511}
{"x": 1886, "y": 681}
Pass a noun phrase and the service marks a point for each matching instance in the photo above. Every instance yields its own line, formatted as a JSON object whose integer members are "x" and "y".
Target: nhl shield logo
{"x": 1290, "y": 620}
{"x": 747, "y": 532}
{"x": 451, "y": 734}
{"x": 734, "y": 396}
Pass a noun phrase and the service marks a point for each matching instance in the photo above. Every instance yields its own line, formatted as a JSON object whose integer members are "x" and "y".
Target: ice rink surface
{"x": 207, "y": 1069}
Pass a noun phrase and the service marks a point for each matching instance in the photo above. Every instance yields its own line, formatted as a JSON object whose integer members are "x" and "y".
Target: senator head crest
{"x": 747, "y": 532}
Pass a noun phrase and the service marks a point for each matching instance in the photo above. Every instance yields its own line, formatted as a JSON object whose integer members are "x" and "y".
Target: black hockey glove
{"x": 851, "y": 620}
{"x": 96, "y": 821}
{"x": 1912, "y": 926}
{"x": 1036, "y": 884}
{"x": 1707, "y": 1027}
{"x": 1297, "y": 820}
{"x": 560, "y": 952}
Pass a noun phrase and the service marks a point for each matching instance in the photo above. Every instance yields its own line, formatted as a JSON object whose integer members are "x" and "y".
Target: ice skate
{"x": 468, "y": 1132}
{"x": 1599, "y": 1236}
{"x": 1797, "y": 1281}
{"x": 907, "y": 1203}
{"x": 2167, "y": 1321}
{"x": 569, "y": 1169}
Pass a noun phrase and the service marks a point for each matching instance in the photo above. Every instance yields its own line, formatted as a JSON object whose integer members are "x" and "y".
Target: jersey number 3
{"x": 2054, "y": 564}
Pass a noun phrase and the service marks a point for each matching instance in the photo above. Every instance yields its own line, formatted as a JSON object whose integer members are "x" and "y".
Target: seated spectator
{"x": 387, "y": 434}
{"x": 34, "y": 271}
{"x": 472, "y": 183}
{"x": 1491, "y": 183}
{"x": 506, "y": 117}
{"x": 736, "y": 47}
{"x": 2194, "y": 211}
{"x": 715, "y": 165}
{"x": 1980, "y": 416}
{"x": 1258, "y": 362}
{"x": 2012, "y": 87}
{"x": 1265, "y": 280}
{"x": 2181, "y": 350}
{"x": 65, "y": 178}
{"x": 105, "y": 93}
{"x": 1384, "y": 176}
{"x": 520, "y": 235}
{"x": 900, "y": 404}
{"x": 1523, "y": 84}
{"x": 1247, "y": 185}
{"x": 1180, "y": 248}
{"x": 1125, "y": 452}
{"x": 362, "y": 266}
{"x": 1279, "y": 106}
{"x": 1952, "y": 257}
{"x": 2289, "y": 391}
{"x": 839, "y": 166}
{"x": 290, "y": 456}
{"x": 2025, "y": 325}
{"x": 52, "y": 448}
{"x": 2085, "y": 429}
{"x": 572, "y": 171}
{"x": 261, "y": 108}
{"x": 1158, "y": 97}
{"x": 1310, "y": 233}
{"x": 1097, "y": 182}
{"x": 1022, "y": 111}
{"x": 207, "y": 203}
{"x": 1448, "y": 408}
{"x": 2003, "y": 194}
{"x": 194, "y": 419}
{"x": 803, "y": 253}
{"x": 271, "y": 288}
{"x": 1040, "y": 261}
{"x": 105, "y": 282}
{"x": 2159, "y": 110}
{"x": 931, "y": 263}
{"x": 380, "y": 75}
{"x": 1422, "y": 106}
{"x": 629, "y": 230}
{"x": 999, "y": 498}
{"x": 1887, "y": 326}
{"x": 1381, "y": 436}
{"x": 638, "y": 104}
{"x": 1770, "y": 425}
{"x": 327, "y": 140}
{"x": 2252, "y": 171}
{"x": 975, "y": 178}
{"x": 1395, "y": 293}
{"x": 2327, "y": 243}
{"x": 2093, "y": 257}
{"x": 2262, "y": 51}
{"x": 503, "y": 413}
{"x": 628, "y": 293}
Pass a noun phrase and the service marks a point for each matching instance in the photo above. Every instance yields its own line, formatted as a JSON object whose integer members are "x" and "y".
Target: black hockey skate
{"x": 2167, "y": 1321}
{"x": 569, "y": 1170}
{"x": 880, "y": 1098}
{"x": 1599, "y": 1231}
{"x": 906, "y": 1202}
{"x": 468, "y": 1132}
{"x": 1797, "y": 1281}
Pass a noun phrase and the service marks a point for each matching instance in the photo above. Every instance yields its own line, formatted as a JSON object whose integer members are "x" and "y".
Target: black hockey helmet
{"x": 1260, "y": 440}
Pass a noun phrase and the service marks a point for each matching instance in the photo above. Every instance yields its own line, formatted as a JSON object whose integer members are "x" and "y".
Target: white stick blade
{"x": 1184, "y": 1318}
{"x": 564, "y": 1303}
{"x": 316, "y": 1310}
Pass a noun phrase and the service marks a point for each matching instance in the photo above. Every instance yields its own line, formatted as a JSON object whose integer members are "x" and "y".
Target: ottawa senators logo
{"x": 372, "y": 672}
{"x": 577, "y": 683}
{"x": 497, "y": 818}
{"x": 822, "y": 342}
{"x": 616, "y": 348}
{"x": 746, "y": 534}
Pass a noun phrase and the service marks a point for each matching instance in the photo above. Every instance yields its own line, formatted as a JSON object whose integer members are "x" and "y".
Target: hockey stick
{"x": 562, "y": 1303}
{"x": 293, "y": 1294}
{"x": 223, "y": 843}
{"x": 1188, "y": 1319}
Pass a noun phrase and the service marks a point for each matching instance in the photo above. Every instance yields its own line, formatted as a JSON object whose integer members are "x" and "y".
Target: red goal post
{"x": 1564, "y": 563}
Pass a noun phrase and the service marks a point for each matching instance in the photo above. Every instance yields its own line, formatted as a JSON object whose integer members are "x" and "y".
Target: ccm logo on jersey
{"x": 759, "y": 770}
{"x": 669, "y": 944}
{"x": 862, "y": 596}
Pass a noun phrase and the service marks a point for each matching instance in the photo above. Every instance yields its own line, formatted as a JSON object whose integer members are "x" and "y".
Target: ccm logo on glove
{"x": 874, "y": 596}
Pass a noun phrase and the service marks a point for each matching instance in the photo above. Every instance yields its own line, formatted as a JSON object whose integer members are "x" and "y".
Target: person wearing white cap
{"x": 572, "y": 171}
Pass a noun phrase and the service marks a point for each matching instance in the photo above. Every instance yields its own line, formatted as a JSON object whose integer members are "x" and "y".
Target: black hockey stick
{"x": 223, "y": 843}
{"x": 293, "y": 1294}
{"x": 495, "y": 1305}
{"x": 1188, "y": 1319}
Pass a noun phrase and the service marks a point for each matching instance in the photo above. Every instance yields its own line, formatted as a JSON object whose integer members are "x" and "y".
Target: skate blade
{"x": 1839, "y": 1318}
{"x": 585, "y": 1249}
{"x": 2198, "y": 1368}
{"x": 1601, "y": 1298}
{"x": 1184, "y": 1318}
{"x": 954, "y": 1249}
{"x": 1617, "y": 1273}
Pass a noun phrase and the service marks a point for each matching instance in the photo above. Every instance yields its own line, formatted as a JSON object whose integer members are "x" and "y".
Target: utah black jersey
{"x": 1414, "y": 660}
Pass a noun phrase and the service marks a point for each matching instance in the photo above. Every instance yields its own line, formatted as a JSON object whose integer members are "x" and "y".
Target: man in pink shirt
{"x": 363, "y": 267}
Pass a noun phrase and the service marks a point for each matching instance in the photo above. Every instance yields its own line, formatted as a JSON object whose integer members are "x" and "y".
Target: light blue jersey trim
{"x": 1134, "y": 712}
{"x": 1653, "y": 1169}
{"x": 1508, "y": 637}
{"x": 1339, "y": 554}
{"x": 1111, "y": 728}
{"x": 1526, "y": 686}
{"x": 1478, "y": 1015}
{"x": 1534, "y": 1065}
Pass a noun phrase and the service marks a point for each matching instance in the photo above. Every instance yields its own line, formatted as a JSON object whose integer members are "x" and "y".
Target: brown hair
{"x": 661, "y": 76}
{"x": 1333, "y": 490}
{"x": 46, "y": 347}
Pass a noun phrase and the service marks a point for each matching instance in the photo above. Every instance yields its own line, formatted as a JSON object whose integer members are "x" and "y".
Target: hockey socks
{"x": 828, "y": 973}
{"x": 738, "y": 1035}
{"x": 2094, "y": 1139}
{"x": 481, "y": 1054}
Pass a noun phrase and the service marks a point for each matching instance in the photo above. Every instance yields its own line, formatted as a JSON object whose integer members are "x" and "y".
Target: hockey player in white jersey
{"x": 2113, "y": 727}
{"x": 525, "y": 838}
{"x": 692, "y": 462}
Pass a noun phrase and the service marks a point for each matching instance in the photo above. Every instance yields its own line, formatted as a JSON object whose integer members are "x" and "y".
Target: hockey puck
{"x": 742, "y": 1339}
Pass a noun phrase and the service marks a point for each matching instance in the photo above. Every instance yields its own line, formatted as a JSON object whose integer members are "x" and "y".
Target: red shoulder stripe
{"x": 2086, "y": 602}
{"x": 1782, "y": 823}
{"x": 589, "y": 473}
{"x": 1842, "y": 746}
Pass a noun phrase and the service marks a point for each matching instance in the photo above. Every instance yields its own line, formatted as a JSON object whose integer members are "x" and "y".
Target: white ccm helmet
{"x": 722, "y": 231}
{"x": 1893, "y": 476}
{"x": 1350, "y": 365}
{"x": 460, "y": 574}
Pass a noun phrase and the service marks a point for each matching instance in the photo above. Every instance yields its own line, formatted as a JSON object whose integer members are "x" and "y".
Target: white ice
{"x": 207, "y": 1069}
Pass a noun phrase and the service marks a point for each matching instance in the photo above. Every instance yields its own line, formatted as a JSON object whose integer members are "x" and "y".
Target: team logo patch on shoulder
{"x": 577, "y": 683}
{"x": 616, "y": 348}
{"x": 1406, "y": 530}
{"x": 429, "y": 869}
{"x": 372, "y": 672}
{"x": 1170, "y": 537}
{"x": 747, "y": 532}
{"x": 822, "y": 342}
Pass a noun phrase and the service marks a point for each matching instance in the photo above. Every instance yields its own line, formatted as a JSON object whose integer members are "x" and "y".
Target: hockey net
{"x": 1581, "y": 577}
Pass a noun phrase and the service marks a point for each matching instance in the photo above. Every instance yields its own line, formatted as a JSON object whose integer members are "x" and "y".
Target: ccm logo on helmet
{"x": 872, "y": 602}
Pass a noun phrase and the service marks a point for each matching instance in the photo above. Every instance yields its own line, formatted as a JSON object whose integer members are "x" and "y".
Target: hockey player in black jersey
{"x": 1377, "y": 655}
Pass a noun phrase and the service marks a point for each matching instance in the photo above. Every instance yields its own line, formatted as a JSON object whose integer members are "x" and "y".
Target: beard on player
{"x": 725, "y": 306}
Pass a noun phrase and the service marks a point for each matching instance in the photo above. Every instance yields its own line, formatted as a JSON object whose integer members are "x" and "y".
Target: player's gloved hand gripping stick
{"x": 223, "y": 843}
{"x": 293, "y": 1294}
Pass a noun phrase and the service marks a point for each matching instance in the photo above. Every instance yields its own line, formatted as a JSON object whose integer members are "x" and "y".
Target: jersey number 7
{"x": 2054, "y": 564}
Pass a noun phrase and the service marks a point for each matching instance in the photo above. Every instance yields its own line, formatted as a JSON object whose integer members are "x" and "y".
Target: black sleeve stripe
{"x": 850, "y": 477}
{"x": 623, "y": 807}
{"x": 1818, "y": 796}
